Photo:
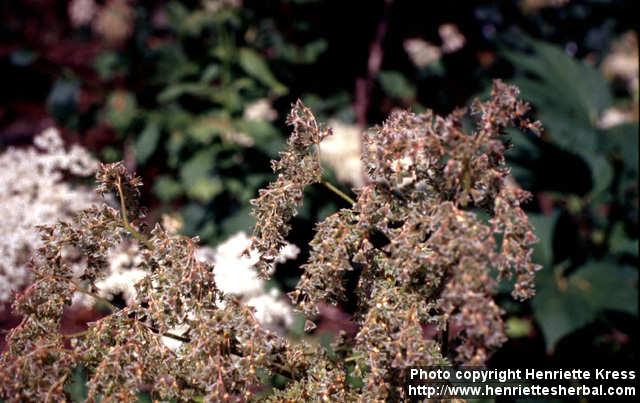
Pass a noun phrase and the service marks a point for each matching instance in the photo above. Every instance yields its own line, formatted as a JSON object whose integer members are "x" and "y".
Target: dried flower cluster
{"x": 411, "y": 261}
{"x": 413, "y": 253}
{"x": 298, "y": 167}
{"x": 224, "y": 352}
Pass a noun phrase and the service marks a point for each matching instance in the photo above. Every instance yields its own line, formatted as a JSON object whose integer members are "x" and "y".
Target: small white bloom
{"x": 341, "y": 151}
{"x": 260, "y": 110}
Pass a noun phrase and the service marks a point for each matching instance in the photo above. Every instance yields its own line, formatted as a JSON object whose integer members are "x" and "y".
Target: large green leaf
{"x": 563, "y": 82}
{"x": 566, "y": 304}
{"x": 198, "y": 179}
{"x": 543, "y": 227}
{"x": 256, "y": 66}
{"x": 569, "y": 96}
{"x": 622, "y": 141}
{"x": 147, "y": 142}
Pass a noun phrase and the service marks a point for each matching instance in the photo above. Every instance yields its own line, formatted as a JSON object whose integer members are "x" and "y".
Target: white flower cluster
{"x": 260, "y": 110}
{"x": 423, "y": 53}
{"x": 124, "y": 273}
{"x": 32, "y": 192}
{"x": 341, "y": 151}
{"x": 235, "y": 274}
{"x": 81, "y": 12}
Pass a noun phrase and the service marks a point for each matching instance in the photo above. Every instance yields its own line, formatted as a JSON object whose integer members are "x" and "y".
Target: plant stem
{"x": 76, "y": 334}
{"x": 82, "y": 290}
{"x": 339, "y": 192}
{"x": 354, "y": 357}
{"x": 125, "y": 220}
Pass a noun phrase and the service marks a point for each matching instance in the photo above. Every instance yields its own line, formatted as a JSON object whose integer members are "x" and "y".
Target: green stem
{"x": 339, "y": 192}
{"x": 354, "y": 357}
{"x": 105, "y": 301}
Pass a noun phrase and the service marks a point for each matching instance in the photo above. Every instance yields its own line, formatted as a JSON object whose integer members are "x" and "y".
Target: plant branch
{"x": 364, "y": 85}
{"x": 82, "y": 290}
{"x": 339, "y": 192}
{"x": 125, "y": 219}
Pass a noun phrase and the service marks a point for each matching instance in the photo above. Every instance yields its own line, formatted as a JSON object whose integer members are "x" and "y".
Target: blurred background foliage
{"x": 193, "y": 96}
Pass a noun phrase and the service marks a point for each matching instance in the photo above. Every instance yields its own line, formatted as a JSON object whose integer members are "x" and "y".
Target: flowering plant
{"x": 411, "y": 261}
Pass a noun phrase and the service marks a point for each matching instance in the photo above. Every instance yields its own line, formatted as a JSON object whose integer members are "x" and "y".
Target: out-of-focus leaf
{"x": 566, "y": 304}
{"x": 144, "y": 397}
{"x": 543, "y": 227}
{"x": 204, "y": 188}
{"x": 173, "y": 64}
{"x": 266, "y": 138}
{"x": 209, "y": 73}
{"x": 175, "y": 91}
{"x": 76, "y": 385}
{"x": 395, "y": 85}
{"x": 572, "y": 86}
{"x": 122, "y": 109}
{"x": 601, "y": 172}
{"x": 108, "y": 64}
{"x": 255, "y": 65}
{"x": 198, "y": 220}
{"x": 166, "y": 188}
{"x": 198, "y": 178}
{"x": 622, "y": 140}
{"x": 518, "y": 327}
{"x": 241, "y": 220}
{"x": 306, "y": 54}
{"x": 620, "y": 243}
{"x": 62, "y": 99}
{"x": 22, "y": 57}
{"x": 205, "y": 128}
{"x": 569, "y": 96}
{"x": 147, "y": 142}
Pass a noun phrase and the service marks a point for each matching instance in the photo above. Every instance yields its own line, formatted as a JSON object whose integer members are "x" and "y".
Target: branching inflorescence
{"x": 411, "y": 260}
{"x": 413, "y": 250}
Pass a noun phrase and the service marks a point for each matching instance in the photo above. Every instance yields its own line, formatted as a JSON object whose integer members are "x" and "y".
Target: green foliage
{"x": 396, "y": 85}
{"x": 207, "y": 69}
{"x": 571, "y": 97}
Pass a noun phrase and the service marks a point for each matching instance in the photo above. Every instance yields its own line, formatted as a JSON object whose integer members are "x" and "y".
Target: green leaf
{"x": 204, "y": 189}
{"x": 620, "y": 243}
{"x": 566, "y": 304}
{"x": 22, "y": 57}
{"x": 108, "y": 64}
{"x": 147, "y": 142}
{"x": 175, "y": 91}
{"x": 121, "y": 110}
{"x": 569, "y": 96}
{"x": 256, "y": 66}
{"x": 166, "y": 188}
{"x": 622, "y": 140}
{"x": 395, "y": 85}
{"x": 62, "y": 99}
{"x": 517, "y": 327}
{"x": 543, "y": 227}
{"x": 574, "y": 87}
{"x": 601, "y": 172}
{"x": 76, "y": 385}
{"x": 240, "y": 220}
{"x": 204, "y": 128}
{"x": 198, "y": 179}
